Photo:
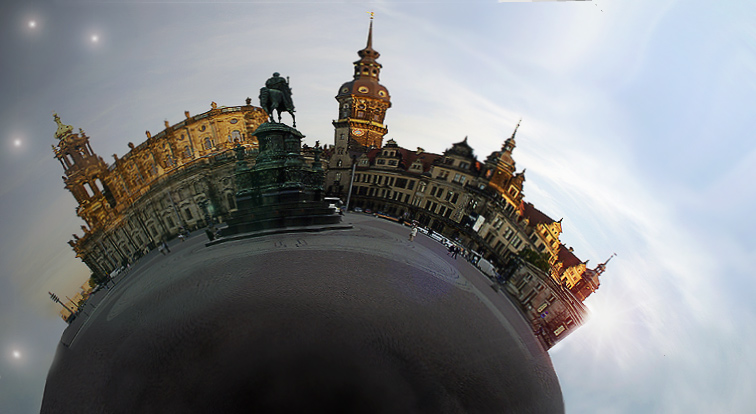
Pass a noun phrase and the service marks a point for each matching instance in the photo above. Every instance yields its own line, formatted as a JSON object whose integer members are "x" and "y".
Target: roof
{"x": 407, "y": 157}
{"x": 534, "y": 215}
{"x": 567, "y": 257}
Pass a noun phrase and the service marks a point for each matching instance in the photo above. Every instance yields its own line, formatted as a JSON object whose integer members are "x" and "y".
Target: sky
{"x": 637, "y": 122}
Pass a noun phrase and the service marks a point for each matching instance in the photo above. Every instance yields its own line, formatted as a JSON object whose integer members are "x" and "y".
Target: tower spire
{"x": 602, "y": 267}
{"x": 515, "y": 130}
{"x": 370, "y": 32}
{"x": 510, "y": 143}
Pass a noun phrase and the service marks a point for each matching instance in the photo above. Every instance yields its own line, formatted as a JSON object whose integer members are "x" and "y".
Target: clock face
{"x": 358, "y": 132}
{"x": 344, "y": 90}
{"x": 363, "y": 89}
{"x": 382, "y": 94}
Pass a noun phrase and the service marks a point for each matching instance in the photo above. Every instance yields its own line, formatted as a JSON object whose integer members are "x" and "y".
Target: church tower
{"x": 362, "y": 108}
{"x": 501, "y": 175}
{"x": 363, "y": 102}
{"x": 86, "y": 174}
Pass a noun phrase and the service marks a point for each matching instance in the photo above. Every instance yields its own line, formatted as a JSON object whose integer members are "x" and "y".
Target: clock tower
{"x": 362, "y": 107}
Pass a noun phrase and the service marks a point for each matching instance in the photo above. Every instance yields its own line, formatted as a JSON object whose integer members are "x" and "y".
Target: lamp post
{"x": 351, "y": 181}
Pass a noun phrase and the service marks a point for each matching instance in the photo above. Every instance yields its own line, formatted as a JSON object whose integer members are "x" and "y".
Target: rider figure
{"x": 280, "y": 84}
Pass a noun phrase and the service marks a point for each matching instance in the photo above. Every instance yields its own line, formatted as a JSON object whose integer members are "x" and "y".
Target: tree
{"x": 539, "y": 260}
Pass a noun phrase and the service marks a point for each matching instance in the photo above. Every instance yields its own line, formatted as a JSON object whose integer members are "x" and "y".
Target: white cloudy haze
{"x": 637, "y": 123}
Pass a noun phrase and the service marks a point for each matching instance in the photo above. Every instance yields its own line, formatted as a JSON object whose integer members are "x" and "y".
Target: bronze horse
{"x": 275, "y": 100}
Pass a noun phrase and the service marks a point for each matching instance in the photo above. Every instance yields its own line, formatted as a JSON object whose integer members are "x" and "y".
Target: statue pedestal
{"x": 280, "y": 190}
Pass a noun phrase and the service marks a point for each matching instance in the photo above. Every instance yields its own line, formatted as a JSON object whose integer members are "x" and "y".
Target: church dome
{"x": 363, "y": 87}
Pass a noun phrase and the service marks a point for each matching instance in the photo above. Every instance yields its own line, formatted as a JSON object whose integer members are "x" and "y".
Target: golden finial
{"x": 372, "y": 14}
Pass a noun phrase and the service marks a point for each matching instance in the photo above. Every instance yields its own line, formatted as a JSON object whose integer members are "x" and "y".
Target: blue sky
{"x": 637, "y": 123}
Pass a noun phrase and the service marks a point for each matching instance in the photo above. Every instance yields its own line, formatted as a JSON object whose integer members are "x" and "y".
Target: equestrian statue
{"x": 276, "y": 96}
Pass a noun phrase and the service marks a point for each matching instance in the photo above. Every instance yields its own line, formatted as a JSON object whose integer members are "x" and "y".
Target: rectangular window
{"x": 410, "y": 185}
{"x": 401, "y": 183}
{"x": 442, "y": 210}
{"x": 454, "y": 199}
{"x": 188, "y": 214}
{"x": 440, "y": 192}
{"x": 433, "y": 191}
{"x": 381, "y": 162}
{"x": 392, "y": 163}
{"x": 427, "y": 204}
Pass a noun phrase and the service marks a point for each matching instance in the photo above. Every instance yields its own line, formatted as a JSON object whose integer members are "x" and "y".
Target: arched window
{"x": 208, "y": 143}
{"x": 98, "y": 184}
{"x": 88, "y": 189}
{"x": 235, "y": 135}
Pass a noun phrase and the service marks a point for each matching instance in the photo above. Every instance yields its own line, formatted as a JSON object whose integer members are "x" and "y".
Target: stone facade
{"x": 180, "y": 177}
{"x": 553, "y": 311}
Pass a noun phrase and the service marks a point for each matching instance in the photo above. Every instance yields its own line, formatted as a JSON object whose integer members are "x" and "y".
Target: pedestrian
{"x": 455, "y": 252}
{"x": 451, "y": 250}
{"x": 209, "y": 234}
{"x": 413, "y": 233}
{"x": 161, "y": 249}
{"x": 165, "y": 246}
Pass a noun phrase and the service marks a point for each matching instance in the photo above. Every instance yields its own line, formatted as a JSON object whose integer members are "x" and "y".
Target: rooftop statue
{"x": 276, "y": 96}
{"x": 63, "y": 129}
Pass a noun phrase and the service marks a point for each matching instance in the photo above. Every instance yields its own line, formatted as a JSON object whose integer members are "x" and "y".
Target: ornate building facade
{"x": 178, "y": 178}
{"x": 478, "y": 204}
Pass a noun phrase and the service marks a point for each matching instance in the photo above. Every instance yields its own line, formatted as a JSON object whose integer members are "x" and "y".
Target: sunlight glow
{"x": 32, "y": 24}
{"x": 16, "y": 354}
{"x": 17, "y": 142}
{"x": 95, "y": 38}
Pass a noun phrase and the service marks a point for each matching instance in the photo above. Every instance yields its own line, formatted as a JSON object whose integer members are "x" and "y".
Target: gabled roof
{"x": 534, "y": 215}
{"x": 567, "y": 257}
{"x": 407, "y": 158}
{"x": 462, "y": 149}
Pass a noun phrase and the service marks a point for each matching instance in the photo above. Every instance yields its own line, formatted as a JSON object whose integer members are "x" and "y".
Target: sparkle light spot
{"x": 32, "y": 24}
{"x": 95, "y": 38}
{"x": 16, "y": 354}
{"x": 17, "y": 142}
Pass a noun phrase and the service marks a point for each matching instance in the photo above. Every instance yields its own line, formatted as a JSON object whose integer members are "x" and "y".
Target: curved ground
{"x": 358, "y": 321}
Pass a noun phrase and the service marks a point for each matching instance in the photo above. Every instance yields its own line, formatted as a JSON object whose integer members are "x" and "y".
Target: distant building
{"x": 553, "y": 311}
